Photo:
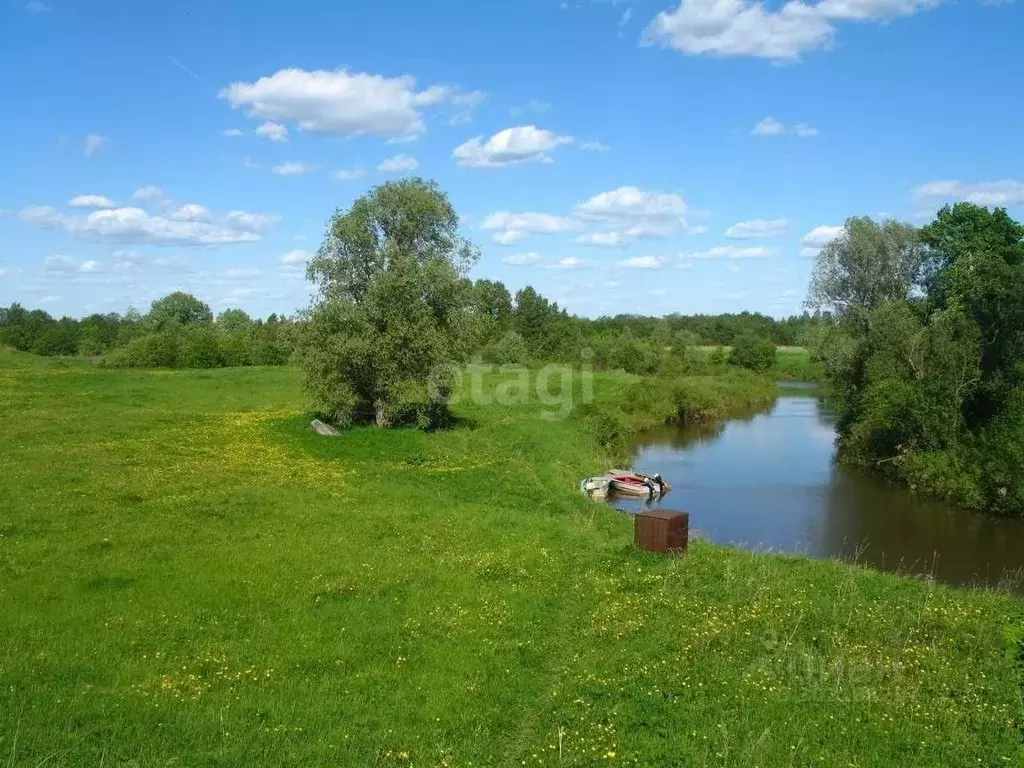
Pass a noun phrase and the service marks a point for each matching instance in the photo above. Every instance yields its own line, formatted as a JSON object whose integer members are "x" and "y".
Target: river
{"x": 770, "y": 482}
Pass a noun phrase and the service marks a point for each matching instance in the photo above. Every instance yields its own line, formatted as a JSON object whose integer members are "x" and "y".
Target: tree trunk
{"x": 379, "y": 416}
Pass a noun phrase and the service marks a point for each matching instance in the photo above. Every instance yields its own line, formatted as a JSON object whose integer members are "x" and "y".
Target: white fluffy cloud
{"x": 343, "y": 102}
{"x": 231, "y": 133}
{"x": 68, "y": 265}
{"x": 513, "y": 227}
{"x": 769, "y": 126}
{"x": 509, "y": 236}
{"x": 751, "y": 28}
{"x": 188, "y": 225}
{"x": 135, "y": 262}
{"x": 594, "y": 146}
{"x": 189, "y": 212}
{"x": 635, "y": 213}
{"x": 349, "y": 174}
{"x": 618, "y": 217}
{"x": 729, "y": 252}
{"x": 741, "y": 28}
{"x": 604, "y": 239}
{"x": 291, "y": 169}
{"x": 257, "y": 223}
{"x": 632, "y": 204}
{"x": 60, "y": 264}
{"x": 272, "y": 131}
{"x": 569, "y": 262}
{"x": 521, "y": 259}
{"x": 512, "y": 146}
{"x": 819, "y": 236}
{"x": 295, "y": 258}
{"x": 399, "y": 164}
{"x": 91, "y": 201}
{"x": 1005, "y": 193}
{"x": 755, "y": 228}
{"x": 241, "y": 273}
{"x": 641, "y": 262}
{"x": 93, "y": 143}
{"x": 149, "y": 194}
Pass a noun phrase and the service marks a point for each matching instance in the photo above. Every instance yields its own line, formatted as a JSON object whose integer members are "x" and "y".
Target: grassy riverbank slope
{"x": 189, "y": 577}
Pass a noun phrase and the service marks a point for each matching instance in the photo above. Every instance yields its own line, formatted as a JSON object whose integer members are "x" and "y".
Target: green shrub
{"x": 200, "y": 348}
{"x": 753, "y": 352}
{"x": 237, "y": 348}
{"x": 510, "y": 349}
{"x": 411, "y": 403}
{"x": 154, "y": 350}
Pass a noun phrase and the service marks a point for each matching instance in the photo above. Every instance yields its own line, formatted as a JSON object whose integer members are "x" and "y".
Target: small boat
{"x": 638, "y": 484}
{"x": 598, "y": 487}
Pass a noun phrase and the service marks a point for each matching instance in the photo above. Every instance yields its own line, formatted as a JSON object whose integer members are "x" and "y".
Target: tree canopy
{"x": 392, "y": 308}
{"x": 411, "y": 217}
{"x": 867, "y": 265}
{"x": 928, "y": 357}
{"x": 178, "y": 308}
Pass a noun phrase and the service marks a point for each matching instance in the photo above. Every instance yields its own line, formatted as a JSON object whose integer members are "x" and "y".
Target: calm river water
{"x": 770, "y": 482}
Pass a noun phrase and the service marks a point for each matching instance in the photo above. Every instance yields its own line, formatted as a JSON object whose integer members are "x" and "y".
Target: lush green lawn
{"x": 189, "y": 577}
{"x": 790, "y": 363}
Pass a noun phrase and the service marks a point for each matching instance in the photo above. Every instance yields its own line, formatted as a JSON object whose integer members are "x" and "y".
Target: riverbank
{"x": 768, "y": 480}
{"x": 190, "y": 575}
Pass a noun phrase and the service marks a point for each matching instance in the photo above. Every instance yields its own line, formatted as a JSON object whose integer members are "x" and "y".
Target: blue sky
{"x": 620, "y": 156}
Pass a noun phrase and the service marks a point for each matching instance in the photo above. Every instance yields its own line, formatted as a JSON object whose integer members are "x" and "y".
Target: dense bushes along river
{"x": 927, "y": 356}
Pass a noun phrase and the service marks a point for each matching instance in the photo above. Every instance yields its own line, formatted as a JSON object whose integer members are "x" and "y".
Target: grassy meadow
{"x": 190, "y": 577}
{"x": 790, "y": 362}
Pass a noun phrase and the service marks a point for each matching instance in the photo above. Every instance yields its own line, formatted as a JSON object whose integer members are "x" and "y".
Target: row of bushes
{"x": 644, "y": 357}
{"x": 198, "y": 347}
{"x": 650, "y": 402}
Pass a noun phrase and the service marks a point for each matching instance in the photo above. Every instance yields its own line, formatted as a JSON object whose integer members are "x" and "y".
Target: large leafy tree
{"x": 976, "y": 267}
{"x": 412, "y": 217}
{"x": 491, "y": 307}
{"x": 391, "y": 312}
{"x": 179, "y": 309}
{"x": 928, "y": 356}
{"x": 866, "y": 266}
{"x": 234, "y": 320}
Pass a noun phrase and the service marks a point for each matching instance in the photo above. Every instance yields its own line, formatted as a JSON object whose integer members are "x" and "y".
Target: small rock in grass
{"x": 324, "y": 429}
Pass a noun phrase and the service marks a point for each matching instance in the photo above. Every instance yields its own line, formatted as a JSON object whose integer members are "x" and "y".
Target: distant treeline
{"x": 180, "y": 331}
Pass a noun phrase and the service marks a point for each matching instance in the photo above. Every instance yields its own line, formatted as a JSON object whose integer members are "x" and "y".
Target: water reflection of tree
{"x": 885, "y": 527}
{"x": 691, "y": 434}
{"x": 679, "y": 437}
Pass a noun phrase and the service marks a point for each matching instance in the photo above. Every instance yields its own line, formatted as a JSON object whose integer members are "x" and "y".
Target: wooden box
{"x": 662, "y": 530}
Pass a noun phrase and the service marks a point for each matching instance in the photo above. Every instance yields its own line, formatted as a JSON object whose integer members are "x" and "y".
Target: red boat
{"x": 632, "y": 483}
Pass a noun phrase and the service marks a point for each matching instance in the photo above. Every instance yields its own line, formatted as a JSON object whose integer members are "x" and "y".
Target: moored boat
{"x": 638, "y": 484}
{"x": 595, "y": 486}
{"x": 623, "y": 482}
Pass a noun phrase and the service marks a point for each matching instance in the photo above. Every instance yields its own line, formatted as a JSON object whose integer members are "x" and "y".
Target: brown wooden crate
{"x": 662, "y": 530}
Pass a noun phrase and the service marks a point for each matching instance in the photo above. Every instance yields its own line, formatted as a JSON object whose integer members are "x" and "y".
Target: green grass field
{"x": 790, "y": 362}
{"x": 188, "y": 577}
